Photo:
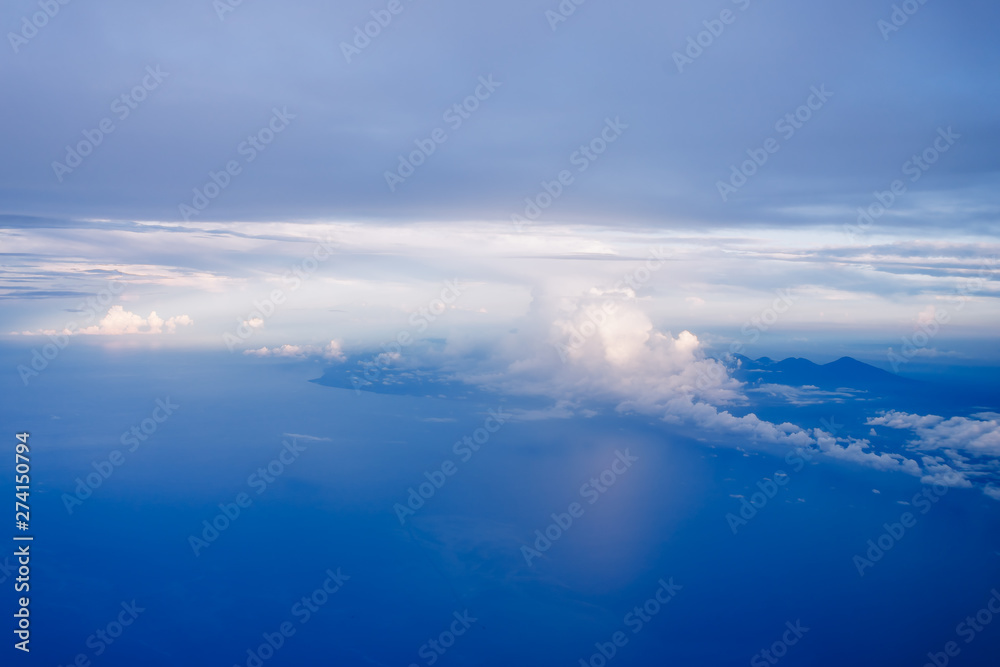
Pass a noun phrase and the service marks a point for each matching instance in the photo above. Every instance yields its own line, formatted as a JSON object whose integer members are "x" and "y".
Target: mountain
{"x": 845, "y": 372}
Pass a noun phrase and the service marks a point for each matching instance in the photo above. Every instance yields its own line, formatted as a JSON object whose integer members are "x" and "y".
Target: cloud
{"x": 119, "y": 322}
{"x": 931, "y": 352}
{"x": 939, "y": 472}
{"x": 292, "y": 351}
{"x": 601, "y": 347}
{"x": 804, "y": 395}
{"x": 978, "y": 435}
{"x": 332, "y": 351}
{"x": 516, "y": 127}
{"x": 300, "y": 436}
{"x": 856, "y": 451}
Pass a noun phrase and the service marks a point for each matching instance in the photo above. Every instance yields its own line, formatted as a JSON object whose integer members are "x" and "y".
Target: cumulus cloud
{"x": 978, "y": 434}
{"x": 293, "y": 351}
{"x": 602, "y": 348}
{"x": 939, "y": 472}
{"x": 968, "y": 446}
{"x": 856, "y": 450}
{"x": 332, "y": 351}
{"x": 118, "y": 322}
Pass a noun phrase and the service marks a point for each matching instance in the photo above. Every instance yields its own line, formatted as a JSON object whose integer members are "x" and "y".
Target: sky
{"x": 829, "y": 149}
{"x": 346, "y": 118}
{"x": 638, "y": 232}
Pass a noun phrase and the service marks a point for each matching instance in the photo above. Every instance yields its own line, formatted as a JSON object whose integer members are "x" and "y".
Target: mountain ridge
{"x": 845, "y": 372}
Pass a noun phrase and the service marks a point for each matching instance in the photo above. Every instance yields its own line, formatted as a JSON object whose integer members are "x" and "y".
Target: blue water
{"x": 332, "y": 507}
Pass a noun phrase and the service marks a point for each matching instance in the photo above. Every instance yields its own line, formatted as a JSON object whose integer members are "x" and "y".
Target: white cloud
{"x": 978, "y": 435}
{"x": 293, "y": 351}
{"x": 334, "y": 351}
{"x": 331, "y": 351}
{"x": 119, "y": 322}
{"x": 857, "y": 451}
{"x": 805, "y": 395}
{"x": 939, "y": 472}
{"x": 579, "y": 351}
